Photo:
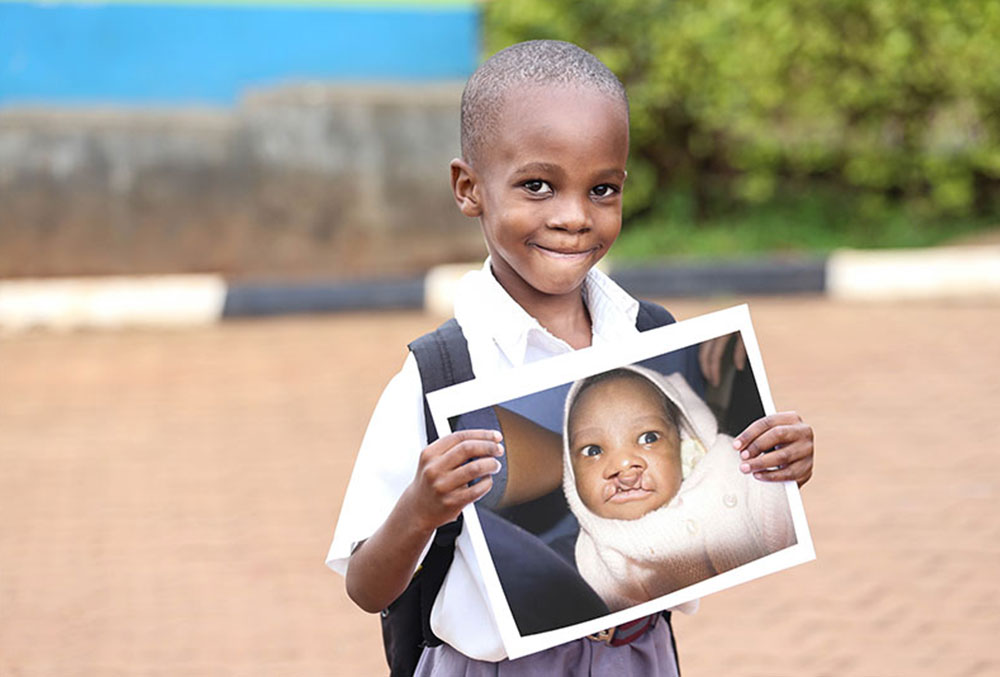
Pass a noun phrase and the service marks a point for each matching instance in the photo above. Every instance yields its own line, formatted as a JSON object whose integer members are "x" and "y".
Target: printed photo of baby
{"x": 657, "y": 490}
{"x": 619, "y": 493}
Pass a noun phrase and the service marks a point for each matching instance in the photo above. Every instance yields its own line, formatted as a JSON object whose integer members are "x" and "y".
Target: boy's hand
{"x": 788, "y": 442}
{"x": 441, "y": 487}
{"x": 382, "y": 566}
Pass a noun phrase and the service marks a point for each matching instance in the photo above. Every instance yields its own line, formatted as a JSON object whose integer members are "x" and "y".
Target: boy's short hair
{"x": 535, "y": 62}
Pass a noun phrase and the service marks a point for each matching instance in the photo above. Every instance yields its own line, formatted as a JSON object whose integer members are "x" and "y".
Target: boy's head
{"x": 623, "y": 439}
{"x": 544, "y": 146}
{"x": 534, "y": 64}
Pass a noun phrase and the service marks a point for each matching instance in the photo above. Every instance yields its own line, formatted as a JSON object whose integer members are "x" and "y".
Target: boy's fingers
{"x": 452, "y": 439}
{"x": 462, "y": 475}
{"x": 781, "y": 436}
{"x": 800, "y": 471}
{"x": 762, "y": 425}
{"x": 453, "y": 502}
{"x": 778, "y": 458}
{"x": 445, "y": 445}
{"x": 475, "y": 492}
{"x": 466, "y": 450}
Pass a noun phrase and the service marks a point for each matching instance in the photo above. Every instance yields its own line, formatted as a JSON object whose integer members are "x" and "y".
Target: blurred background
{"x": 793, "y": 125}
{"x": 310, "y": 139}
{"x": 167, "y": 496}
{"x": 248, "y": 138}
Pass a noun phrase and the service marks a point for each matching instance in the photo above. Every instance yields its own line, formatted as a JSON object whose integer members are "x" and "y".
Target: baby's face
{"x": 624, "y": 449}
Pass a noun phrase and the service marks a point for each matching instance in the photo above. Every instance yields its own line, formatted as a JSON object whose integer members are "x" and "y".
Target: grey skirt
{"x": 648, "y": 656}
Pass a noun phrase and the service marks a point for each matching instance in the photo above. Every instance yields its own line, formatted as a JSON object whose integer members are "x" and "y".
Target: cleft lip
{"x": 616, "y": 491}
{"x": 629, "y": 495}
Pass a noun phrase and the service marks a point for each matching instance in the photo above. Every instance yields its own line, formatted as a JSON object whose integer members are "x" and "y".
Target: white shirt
{"x": 500, "y": 335}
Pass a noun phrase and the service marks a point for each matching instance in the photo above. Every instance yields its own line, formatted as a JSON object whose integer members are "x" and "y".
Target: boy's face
{"x": 624, "y": 449}
{"x": 547, "y": 187}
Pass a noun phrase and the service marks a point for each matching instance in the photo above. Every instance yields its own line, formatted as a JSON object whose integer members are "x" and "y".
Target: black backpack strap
{"x": 652, "y": 315}
{"x": 443, "y": 359}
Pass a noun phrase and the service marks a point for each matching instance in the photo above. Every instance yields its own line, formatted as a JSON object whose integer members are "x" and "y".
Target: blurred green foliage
{"x": 871, "y": 109}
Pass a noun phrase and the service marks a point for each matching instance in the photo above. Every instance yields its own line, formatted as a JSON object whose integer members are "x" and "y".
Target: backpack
{"x": 443, "y": 360}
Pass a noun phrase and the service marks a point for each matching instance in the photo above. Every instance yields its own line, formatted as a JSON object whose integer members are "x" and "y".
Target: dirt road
{"x": 168, "y": 497}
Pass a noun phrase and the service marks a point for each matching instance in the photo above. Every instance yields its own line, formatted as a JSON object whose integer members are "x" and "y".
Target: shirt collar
{"x": 482, "y": 303}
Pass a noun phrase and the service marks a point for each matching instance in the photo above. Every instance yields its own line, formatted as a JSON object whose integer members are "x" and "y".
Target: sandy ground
{"x": 168, "y": 497}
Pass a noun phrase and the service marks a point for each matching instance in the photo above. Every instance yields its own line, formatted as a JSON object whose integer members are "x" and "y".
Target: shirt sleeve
{"x": 385, "y": 465}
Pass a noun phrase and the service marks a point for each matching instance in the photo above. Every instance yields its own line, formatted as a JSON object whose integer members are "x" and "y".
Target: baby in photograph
{"x": 657, "y": 488}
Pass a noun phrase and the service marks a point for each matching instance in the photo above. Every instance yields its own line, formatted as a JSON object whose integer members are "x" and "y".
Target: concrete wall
{"x": 309, "y": 180}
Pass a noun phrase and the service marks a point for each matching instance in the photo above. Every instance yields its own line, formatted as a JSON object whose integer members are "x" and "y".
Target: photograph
{"x": 620, "y": 493}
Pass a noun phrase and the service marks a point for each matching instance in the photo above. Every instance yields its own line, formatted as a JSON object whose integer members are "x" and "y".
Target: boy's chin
{"x": 565, "y": 280}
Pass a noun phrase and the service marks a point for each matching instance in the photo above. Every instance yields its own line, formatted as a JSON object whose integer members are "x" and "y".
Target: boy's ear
{"x": 465, "y": 187}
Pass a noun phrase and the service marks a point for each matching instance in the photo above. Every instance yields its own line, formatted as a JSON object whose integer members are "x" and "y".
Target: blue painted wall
{"x": 176, "y": 54}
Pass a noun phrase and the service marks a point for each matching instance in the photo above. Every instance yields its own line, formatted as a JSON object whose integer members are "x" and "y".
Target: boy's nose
{"x": 571, "y": 215}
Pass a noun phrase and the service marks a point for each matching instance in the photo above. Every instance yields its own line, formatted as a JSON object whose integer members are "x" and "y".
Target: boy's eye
{"x": 649, "y": 437}
{"x": 537, "y": 186}
{"x": 591, "y": 450}
{"x": 604, "y": 190}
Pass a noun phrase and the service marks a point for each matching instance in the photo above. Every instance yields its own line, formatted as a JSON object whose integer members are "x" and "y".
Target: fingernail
{"x": 501, "y": 448}
{"x": 736, "y": 443}
{"x": 497, "y": 436}
{"x": 494, "y": 472}
{"x": 745, "y": 454}
{"x": 744, "y": 467}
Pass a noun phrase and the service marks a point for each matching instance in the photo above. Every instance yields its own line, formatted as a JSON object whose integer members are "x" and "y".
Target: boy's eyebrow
{"x": 612, "y": 172}
{"x": 531, "y": 167}
{"x": 550, "y": 168}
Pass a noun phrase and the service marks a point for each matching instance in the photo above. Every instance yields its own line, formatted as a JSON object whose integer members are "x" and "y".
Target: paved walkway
{"x": 166, "y": 498}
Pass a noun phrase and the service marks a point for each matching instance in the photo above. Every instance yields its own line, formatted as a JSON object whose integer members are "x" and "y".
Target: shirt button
{"x": 692, "y": 527}
{"x": 729, "y": 500}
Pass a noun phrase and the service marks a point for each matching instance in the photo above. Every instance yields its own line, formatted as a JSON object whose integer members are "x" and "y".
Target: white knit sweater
{"x": 719, "y": 519}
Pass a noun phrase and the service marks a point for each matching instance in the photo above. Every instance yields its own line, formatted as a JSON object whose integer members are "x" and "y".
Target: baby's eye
{"x": 604, "y": 190}
{"x": 537, "y": 186}
{"x": 591, "y": 450}
{"x": 649, "y": 437}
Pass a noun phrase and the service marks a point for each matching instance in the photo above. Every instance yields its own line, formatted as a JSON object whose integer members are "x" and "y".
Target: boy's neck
{"x": 565, "y": 316}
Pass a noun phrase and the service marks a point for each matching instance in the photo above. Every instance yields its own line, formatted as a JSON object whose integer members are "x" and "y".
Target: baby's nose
{"x": 630, "y": 477}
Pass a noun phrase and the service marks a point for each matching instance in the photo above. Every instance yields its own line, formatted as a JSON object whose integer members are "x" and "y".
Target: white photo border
{"x": 539, "y": 376}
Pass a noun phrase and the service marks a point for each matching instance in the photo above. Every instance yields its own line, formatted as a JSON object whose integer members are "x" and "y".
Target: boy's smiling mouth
{"x": 564, "y": 253}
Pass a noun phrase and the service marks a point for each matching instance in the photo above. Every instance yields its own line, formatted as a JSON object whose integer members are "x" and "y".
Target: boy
{"x": 657, "y": 490}
{"x": 544, "y": 146}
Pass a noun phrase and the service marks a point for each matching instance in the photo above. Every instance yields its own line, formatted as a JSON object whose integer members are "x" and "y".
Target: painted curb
{"x": 897, "y": 275}
{"x": 284, "y": 298}
{"x": 111, "y": 302}
{"x": 764, "y": 276}
{"x": 192, "y": 300}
